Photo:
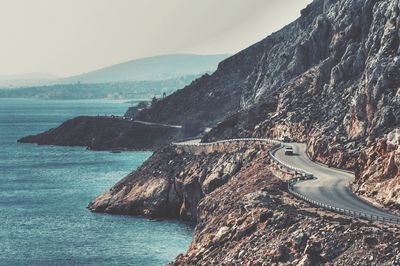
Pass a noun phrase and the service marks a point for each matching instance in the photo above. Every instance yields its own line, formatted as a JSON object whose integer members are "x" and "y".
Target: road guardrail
{"x": 300, "y": 176}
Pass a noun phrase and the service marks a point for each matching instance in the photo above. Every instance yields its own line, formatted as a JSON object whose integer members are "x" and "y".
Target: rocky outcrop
{"x": 379, "y": 176}
{"x": 172, "y": 182}
{"x": 105, "y": 133}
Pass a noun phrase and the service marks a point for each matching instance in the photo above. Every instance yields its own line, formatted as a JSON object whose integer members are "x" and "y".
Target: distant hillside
{"x": 157, "y": 68}
{"x": 136, "y": 79}
{"x": 152, "y": 68}
{"x": 137, "y": 90}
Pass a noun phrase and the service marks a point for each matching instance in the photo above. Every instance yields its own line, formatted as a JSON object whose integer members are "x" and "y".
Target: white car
{"x": 289, "y": 150}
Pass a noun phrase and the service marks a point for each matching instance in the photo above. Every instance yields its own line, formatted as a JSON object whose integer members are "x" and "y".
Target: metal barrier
{"x": 304, "y": 176}
{"x": 186, "y": 143}
{"x": 356, "y": 214}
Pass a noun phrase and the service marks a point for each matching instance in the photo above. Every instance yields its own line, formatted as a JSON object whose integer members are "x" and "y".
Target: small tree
{"x": 154, "y": 101}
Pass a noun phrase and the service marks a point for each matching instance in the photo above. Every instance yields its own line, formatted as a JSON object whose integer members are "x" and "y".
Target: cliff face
{"x": 379, "y": 177}
{"x": 344, "y": 100}
{"x": 173, "y": 181}
{"x": 252, "y": 220}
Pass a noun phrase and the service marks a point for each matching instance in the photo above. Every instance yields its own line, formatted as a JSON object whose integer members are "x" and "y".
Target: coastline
{"x": 104, "y": 133}
{"x": 243, "y": 214}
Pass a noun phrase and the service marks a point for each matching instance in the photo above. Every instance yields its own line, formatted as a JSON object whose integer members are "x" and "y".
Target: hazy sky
{"x": 67, "y": 37}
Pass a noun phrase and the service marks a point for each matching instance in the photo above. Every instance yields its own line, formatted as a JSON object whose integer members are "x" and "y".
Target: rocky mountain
{"x": 136, "y": 79}
{"x": 252, "y": 75}
{"x": 161, "y": 67}
{"x": 347, "y": 106}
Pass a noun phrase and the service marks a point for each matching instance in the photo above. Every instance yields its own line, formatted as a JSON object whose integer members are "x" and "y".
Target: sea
{"x": 44, "y": 191}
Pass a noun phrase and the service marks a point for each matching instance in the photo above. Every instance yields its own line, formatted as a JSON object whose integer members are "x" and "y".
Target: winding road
{"x": 330, "y": 187}
{"x": 129, "y": 119}
{"x": 156, "y": 124}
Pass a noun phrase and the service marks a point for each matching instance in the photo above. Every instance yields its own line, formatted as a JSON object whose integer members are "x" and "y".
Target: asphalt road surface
{"x": 331, "y": 186}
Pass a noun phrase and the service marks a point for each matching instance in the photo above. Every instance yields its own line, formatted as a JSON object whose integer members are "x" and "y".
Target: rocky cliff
{"x": 173, "y": 181}
{"x": 252, "y": 220}
{"x": 379, "y": 177}
{"x": 243, "y": 212}
{"x": 344, "y": 100}
{"x": 250, "y": 76}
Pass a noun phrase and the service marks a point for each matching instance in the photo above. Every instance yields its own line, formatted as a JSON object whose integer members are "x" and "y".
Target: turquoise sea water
{"x": 44, "y": 191}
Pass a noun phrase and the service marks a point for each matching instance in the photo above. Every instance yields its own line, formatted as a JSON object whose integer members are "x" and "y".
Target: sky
{"x": 69, "y": 37}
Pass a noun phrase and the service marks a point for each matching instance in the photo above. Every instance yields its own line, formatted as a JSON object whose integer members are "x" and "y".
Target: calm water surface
{"x": 44, "y": 192}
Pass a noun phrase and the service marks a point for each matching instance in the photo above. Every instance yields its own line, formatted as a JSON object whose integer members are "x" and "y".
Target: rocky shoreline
{"x": 106, "y": 133}
{"x": 172, "y": 182}
{"x": 243, "y": 211}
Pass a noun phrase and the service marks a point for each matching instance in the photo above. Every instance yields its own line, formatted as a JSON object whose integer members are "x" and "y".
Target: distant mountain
{"x": 128, "y": 90}
{"x": 31, "y": 79}
{"x": 136, "y": 79}
{"x": 151, "y": 68}
{"x": 157, "y": 68}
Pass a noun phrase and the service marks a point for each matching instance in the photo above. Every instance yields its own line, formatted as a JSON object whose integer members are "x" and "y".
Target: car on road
{"x": 289, "y": 150}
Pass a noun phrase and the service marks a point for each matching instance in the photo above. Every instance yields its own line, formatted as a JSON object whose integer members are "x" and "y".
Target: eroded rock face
{"x": 172, "y": 182}
{"x": 244, "y": 214}
{"x": 379, "y": 177}
{"x": 251, "y": 220}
